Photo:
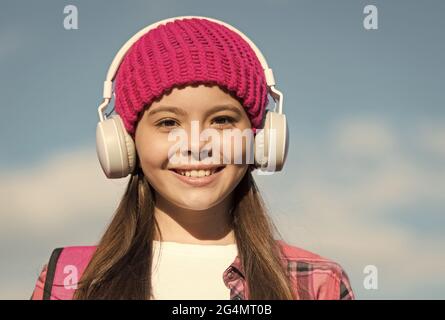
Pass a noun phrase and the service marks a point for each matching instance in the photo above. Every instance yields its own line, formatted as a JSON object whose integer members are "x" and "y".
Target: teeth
{"x": 197, "y": 173}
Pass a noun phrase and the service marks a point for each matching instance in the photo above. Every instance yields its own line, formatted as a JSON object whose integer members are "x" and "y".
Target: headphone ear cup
{"x": 115, "y": 148}
{"x": 259, "y": 149}
{"x": 272, "y": 142}
{"x": 131, "y": 152}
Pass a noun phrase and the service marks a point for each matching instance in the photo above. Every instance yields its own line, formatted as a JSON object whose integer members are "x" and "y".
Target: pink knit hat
{"x": 184, "y": 52}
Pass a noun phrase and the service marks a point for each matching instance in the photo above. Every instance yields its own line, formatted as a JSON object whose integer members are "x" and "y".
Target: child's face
{"x": 153, "y": 145}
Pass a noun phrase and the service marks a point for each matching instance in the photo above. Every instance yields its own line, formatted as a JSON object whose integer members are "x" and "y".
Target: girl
{"x": 194, "y": 229}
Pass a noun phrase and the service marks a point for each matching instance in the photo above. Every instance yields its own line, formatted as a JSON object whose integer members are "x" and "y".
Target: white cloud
{"x": 432, "y": 137}
{"x": 363, "y": 137}
{"x": 65, "y": 188}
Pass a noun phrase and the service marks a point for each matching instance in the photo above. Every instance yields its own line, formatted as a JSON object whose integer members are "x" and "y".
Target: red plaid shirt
{"x": 312, "y": 277}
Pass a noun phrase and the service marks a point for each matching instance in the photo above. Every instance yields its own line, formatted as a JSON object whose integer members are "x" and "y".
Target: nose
{"x": 197, "y": 149}
{"x": 199, "y": 145}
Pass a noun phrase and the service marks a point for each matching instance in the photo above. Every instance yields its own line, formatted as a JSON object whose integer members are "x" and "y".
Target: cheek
{"x": 241, "y": 171}
{"x": 153, "y": 160}
{"x": 237, "y": 149}
{"x": 153, "y": 152}
{"x": 233, "y": 175}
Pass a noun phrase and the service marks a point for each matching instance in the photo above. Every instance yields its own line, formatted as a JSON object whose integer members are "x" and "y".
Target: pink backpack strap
{"x": 65, "y": 268}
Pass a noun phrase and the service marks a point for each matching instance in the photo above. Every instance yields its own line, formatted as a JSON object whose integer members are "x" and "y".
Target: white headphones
{"x": 116, "y": 149}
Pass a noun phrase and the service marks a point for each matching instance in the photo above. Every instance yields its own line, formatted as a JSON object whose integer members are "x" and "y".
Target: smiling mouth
{"x": 198, "y": 178}
{"x": 198, "y": 173}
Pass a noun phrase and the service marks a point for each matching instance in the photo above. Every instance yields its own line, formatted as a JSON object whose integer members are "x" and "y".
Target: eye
{"x": 227, "y": 120}
{"x": 166, "y": 123}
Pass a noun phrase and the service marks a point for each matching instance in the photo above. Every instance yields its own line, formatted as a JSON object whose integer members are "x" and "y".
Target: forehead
{"x": 197, "y": 98}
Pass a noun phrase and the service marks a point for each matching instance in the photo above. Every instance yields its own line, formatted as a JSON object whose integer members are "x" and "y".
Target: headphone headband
{"x": 112, "y": 70}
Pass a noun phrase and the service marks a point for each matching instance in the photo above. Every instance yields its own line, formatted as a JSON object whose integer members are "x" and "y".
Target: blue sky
{"x": 365, "y": 174}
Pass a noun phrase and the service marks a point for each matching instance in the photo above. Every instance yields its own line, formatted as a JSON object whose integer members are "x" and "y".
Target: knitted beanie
{"x": 184, "y": 52}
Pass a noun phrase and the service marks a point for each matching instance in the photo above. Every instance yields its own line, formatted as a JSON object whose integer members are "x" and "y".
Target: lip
{"x": 196, "y": 181}
{"x": 198, "y": 167}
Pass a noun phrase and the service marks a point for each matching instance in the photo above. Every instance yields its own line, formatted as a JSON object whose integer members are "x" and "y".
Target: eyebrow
{"x": 181, "y": 111}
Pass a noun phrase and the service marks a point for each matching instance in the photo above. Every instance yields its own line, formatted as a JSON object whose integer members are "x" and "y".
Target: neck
{"x": 212, "y": 226}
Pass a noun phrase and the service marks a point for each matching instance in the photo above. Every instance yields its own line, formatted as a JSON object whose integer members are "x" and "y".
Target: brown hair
{"x": 121, "y": 266}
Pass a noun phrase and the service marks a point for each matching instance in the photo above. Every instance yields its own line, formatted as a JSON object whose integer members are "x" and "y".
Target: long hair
{"x": 121, "y": 265}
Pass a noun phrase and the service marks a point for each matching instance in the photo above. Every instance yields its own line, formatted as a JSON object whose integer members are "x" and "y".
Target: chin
{"x": 198, "y": 201}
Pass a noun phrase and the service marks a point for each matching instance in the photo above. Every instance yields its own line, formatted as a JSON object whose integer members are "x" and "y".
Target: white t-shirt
{"x": 191, "y": 271}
